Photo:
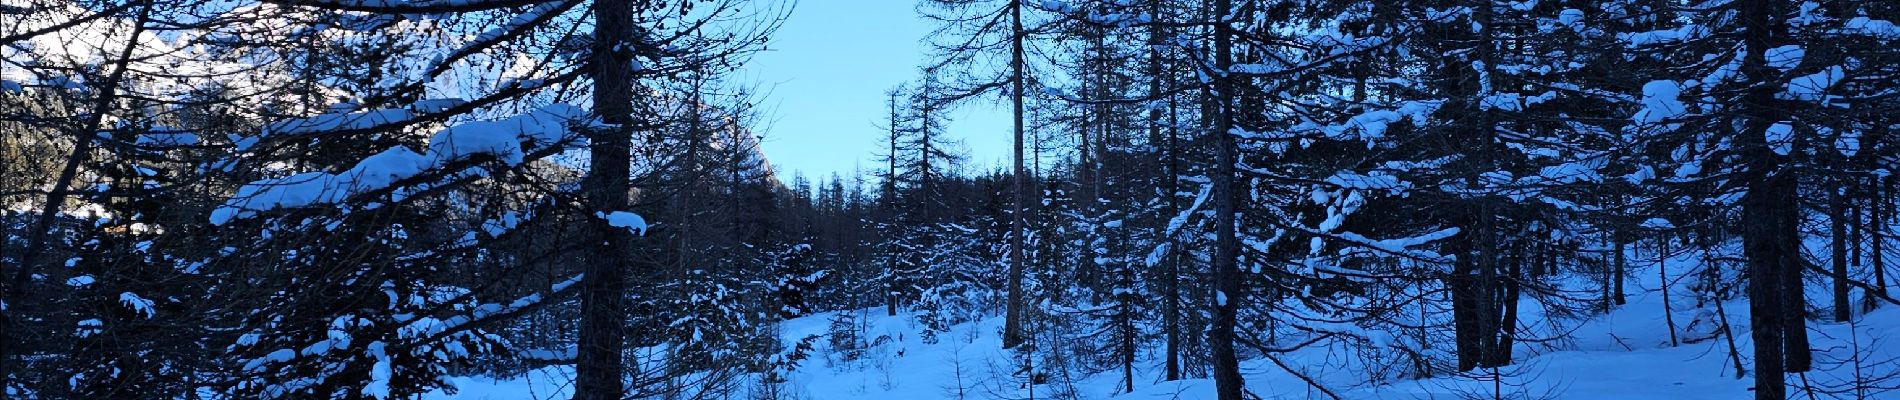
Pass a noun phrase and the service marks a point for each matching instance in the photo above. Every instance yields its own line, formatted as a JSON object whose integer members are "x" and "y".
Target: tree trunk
{"x": 1621, "y": 272}
{"x": 1227, "y": 380}
{"x": 1764, "y": 308}
{"x": 1170, "y": 321}
{"x": 1462, "y": 286}
{"x": 1794, "y": 290}
{"x": 1507, "y": 325}
{"x": 598, "y": 365}
{"x": 1837, "y": 218}
{"x": 1878, "y": 233}
{"x": 1013, "y": 311}
{"x": 1487, "y": 303}
{"x": 1662, "y": 272}
{"x": 890, "y": 200}
{"x": 1770, "y": 218}
{"x": 1128, "y": 348}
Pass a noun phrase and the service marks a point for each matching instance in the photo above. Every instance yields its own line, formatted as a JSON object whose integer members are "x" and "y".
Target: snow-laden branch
{"x": 501, "y": 139}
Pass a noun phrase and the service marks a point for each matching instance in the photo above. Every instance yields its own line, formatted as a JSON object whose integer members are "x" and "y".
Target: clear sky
{"x": 826, "y": 74}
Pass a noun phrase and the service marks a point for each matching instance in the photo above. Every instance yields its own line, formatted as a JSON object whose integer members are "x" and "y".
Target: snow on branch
{"x": 1371, "y": 125}
{"x": 427, "y": 327}
{"x": 1404, "y": 245}
{"x": 355, "y": 120}
{"x": 501, "y": 139}
{"x": 624, "y": 219}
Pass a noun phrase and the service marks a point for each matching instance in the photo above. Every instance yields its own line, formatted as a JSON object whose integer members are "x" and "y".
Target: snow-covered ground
{"x": 1623, "y": 355}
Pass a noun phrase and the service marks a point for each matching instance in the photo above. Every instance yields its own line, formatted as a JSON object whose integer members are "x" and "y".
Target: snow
{"x": 1727, "y": 72}
{"x": 339, "y": 121}
{"x": 1623, "y": 355}
{"x": 1372, "y": 124}
{"x": 79, "y": 281}
{"x": 475, "y": 138}
{"x": 1058, "y": 6}
{"x": 1376, "y": 180}
{"x": 1403, "y": 246}
{"x": 379, "y": 373}
{"x": 1570, "y": 17}
{"x": 89, "y": 327}
{"x": 1786, "y": 57}
{"x": 1813, "y": 87}
{"x": 538, "y": 12}
{"x": 1879, "y": 28}
{"x": 1573, "y": 172}
{"x": 1665, "y": 36}
{"x": 138, "y": 304}
{"x": 1508, "y": 101}
{"x": 501, "y": 139}
{"x": 426, "y": 326}
{"x": 628, "y": 220}
{"x": 1661, "y": 101}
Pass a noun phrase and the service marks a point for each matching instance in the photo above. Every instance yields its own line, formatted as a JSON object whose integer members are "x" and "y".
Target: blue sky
{"x": 826, "y": 74}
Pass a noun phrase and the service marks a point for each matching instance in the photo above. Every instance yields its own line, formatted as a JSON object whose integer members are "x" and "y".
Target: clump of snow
{"x": 1665, "y": 36}
{"x": 138, "y": 304}
{"x": 1813, "y": 86}
{"x": 89, "y": 327}
{"x": 1376, "y": 180}
{"x": 1570, "y": 17}
{"x": 1662, "y": 100}
{"x": 380, "y": 373}
{"x": 1573, "y": 172}
{"x": 623, "y": 219}
{"x": 1372, "y": 124}
{"x": 1786, "y": 57}
{"x": 79, "y": 281}
{"x": 1879, "y": 28}
{"x": 339, "y": 121}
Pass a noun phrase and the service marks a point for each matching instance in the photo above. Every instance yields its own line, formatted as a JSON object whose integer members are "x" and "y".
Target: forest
{"x": 1203, "y": 199}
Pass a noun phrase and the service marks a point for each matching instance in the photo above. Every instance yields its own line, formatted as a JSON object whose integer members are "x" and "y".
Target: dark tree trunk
{"x": 1662, "y": 273}
{"x": 890, "y": 206}
{"x": 1794, "y": 289}
{"x": 1770, "y": 218}
{"x": 1761, "y": 247}
{"x": 1507, "y": 325}
{"x": 1878, "y": 232}
{"x": 1013, "y": 311}
{"x": 1464, "y": 305}
{"x": 1171, "y": 272}
{"x": 1227, "y": 380}
{"x": 598, "y": 364}
{"x": 1620, "y": 273}
{"x": 1837, "y": 218}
